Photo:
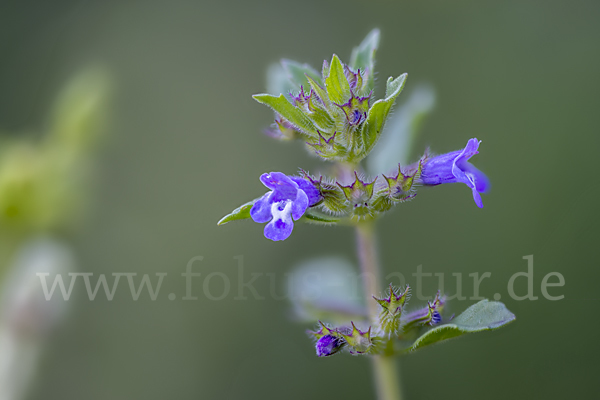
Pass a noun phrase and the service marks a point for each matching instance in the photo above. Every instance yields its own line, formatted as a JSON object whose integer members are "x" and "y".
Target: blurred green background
{"x": 185, "y": 147}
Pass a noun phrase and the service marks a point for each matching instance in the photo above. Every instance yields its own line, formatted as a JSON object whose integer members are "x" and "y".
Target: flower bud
{"x": 328, "y": 345}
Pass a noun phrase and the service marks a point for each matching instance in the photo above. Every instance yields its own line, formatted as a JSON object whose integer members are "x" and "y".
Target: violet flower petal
{"x": 261, "y": 210}
{"x": 281, "y": 226}
{"x": 283, "y": 187}
{"x": 299, "y": 205}
{"x": 455, "y": 167}
{"x": 314, "y": 196}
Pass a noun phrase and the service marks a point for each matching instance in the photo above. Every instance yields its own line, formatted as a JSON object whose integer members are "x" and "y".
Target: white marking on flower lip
{"x": 280, "y": 213}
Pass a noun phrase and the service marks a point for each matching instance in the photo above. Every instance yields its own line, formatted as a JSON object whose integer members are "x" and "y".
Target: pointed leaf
{"x": 401, "y": 128}
{"x": 242, "y": 212}
{"x": 393, "y": 87}
{"x": 379, "y": 112}
{"x": 363, "y": 56}
{"x": 485, "y": 315}
{"x": 293, "y": 114}
{"x": 336, "y": 83}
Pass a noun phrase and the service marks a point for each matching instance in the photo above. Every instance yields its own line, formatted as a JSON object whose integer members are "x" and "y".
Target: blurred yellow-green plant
{"x": 43, "y": 177}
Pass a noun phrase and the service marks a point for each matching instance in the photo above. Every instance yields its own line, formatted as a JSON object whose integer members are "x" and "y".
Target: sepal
{"x": 359, "y": 342}
{"x": 399, "y": 186}
{"x": 359, "y": 195}
{"x": 355, "y": 110}
{"x": 328, "y": 148}
{"x": 333, "y": 197}
{"x": 282, "y": 129}
{"x": 314, "y": 108}
{"x": 329, "y": 341}
{"x": 392, "y": 308}
{"x": 323, "y": 331}
{"x": 399, "y": 189}
{"x": 355, "y": 79}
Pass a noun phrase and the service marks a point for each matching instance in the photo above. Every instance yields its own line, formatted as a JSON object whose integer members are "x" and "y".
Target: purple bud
{"x": 328, "y": 345}
{"x": 455, "y": 167}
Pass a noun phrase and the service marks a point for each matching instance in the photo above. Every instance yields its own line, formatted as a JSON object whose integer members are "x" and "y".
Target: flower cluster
{"x": 336, "y": 114}
{"x": 392, "y": 330}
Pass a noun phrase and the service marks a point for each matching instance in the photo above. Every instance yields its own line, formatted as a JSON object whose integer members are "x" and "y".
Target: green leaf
{"x": 485, "y": 315}
{"x": 336, "y": 83}
{"x": 363, "y": 56}
{"x": 242, "y": 212}
{"x": 393, "y": 87}
{"x": 316, "y": 217}
{"x": 288, "y": 111}
{"x": 298, "y": 73}
{"x": 401, "y": 128}
{"x": 79, "y": 116}
{"x": 378, "y": 114}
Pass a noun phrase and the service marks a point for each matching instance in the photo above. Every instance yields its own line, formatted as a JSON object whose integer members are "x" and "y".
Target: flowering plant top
{"x": 338, "y": 117}
{"x": 336, "y": 114}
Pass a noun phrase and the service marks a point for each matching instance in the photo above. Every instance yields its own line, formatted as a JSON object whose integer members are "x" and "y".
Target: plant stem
{"x": 387, "y": 378}
{"x": 369, "y": 263}
{"x": 385, "y": 370}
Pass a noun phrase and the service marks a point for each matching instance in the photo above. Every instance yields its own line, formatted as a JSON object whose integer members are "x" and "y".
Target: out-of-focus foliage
{"x": 43, "y": 188}
{"x": 27, "y": 318}
{"x": 42, "y": 178}
{"x": 326, "y": 288}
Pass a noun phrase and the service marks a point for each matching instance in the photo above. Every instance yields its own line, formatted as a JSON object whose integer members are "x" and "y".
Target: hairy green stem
{"x": 385, "y": 369}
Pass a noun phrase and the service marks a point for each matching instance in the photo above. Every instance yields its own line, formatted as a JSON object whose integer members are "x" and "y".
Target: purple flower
{"x": 285, "y": 203}
{"x": 455, "y": 167}
{"x": 328, "y": 345}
